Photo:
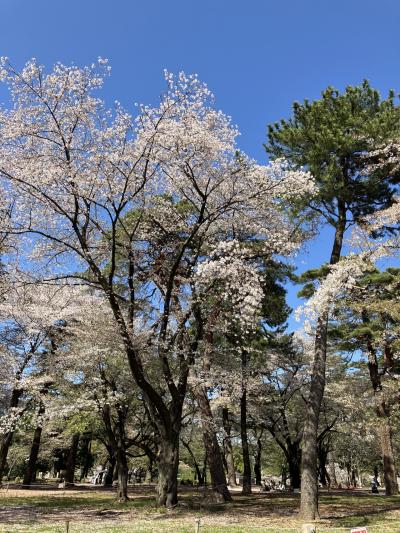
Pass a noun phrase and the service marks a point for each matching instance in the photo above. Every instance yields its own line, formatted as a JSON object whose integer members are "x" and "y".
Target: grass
{"x": 90, "y": 510}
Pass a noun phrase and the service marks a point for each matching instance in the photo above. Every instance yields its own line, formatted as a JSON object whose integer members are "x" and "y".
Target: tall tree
{"x": 330, "y": 137}
{"x": 74, "y": 170}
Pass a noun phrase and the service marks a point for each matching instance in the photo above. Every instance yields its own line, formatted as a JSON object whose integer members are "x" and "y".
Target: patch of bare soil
{"x": 93, "y": 505}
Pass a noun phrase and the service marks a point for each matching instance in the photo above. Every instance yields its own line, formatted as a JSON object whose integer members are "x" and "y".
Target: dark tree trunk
{"x": 309, "y": 471}
{"x": 71, "y": 460}
{"x": 30, "y": 471}
{"x": 204, "y": 470}
{"x": 290, "y": 447}
{"x": 167, "y": 417}
{"x": 168, "y": 462}
{"x": 116, "y": 446}
{"x": 199, "y": 475}
{"x": 8, "y": 437}
{"x": 109, "y": 477}
{"x": 246, "y": 489}
{"x": 122, "y": 469}
{"x": 85, "y": 455}
{"x": 229, "y": 458}
{"x": 58, "y": 462}
{"x": 214, "y": 456}
{"x": 294, "y": 461}
{"x": 322, "y": 461}
{"x": 5, "y": 446}
{"x": 257, "y": 462}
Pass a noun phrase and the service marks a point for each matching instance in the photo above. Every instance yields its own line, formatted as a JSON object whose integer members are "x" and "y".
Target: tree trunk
{"x": 150, "y": 474}
{"x": 294, "y": 470}
{"x": 257, "y": 462}
{"x": 230, "y": 462}
{"x": 199, "y": 475}
{"x": 389, "y": 468}
{"x": 109, "y": 477}
{"x": 309, "y": 456}
{"x": 204, "y": 471}
{"x": 122, "y": 469}
{"x": 30, "y": 472}
{"x": 214, "y": 456}
{"x": 284, "y": 473}
{"x": 5, "y": 446}
{"x": 168, "y": 462}
{"x": 8, "y": 437}
{"x": 332, "y": 469}
{"x": 383, "y": 415}
{"x": 71, "y": 460}
{"x": 86, "y": 456}
{"x": 309, "y": 474}
{"x": 323, "y": 472}
{"x": 31, "y": 467}
{"x": 246, "y": 489}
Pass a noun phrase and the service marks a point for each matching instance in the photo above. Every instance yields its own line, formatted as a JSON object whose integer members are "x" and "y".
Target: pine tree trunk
{"x": 309, "y": 463}
{"x": 309, "y": 456}
{"x": 389, "y": 467}
{"x": 71, "y": 460}
{"x": 214, "y": 456}
{"x": 168, "y": 462}
{"x": 230, "y": 462}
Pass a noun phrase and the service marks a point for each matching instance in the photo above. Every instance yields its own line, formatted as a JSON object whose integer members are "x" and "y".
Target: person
{"x": 374, "y": 486}
{"x": 267, "y": 486}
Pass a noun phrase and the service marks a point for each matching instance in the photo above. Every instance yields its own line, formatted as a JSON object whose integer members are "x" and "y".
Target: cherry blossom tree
{"x": 143, "y": 211}
{"x": 94, "y": 379}
{"x": 30, "y": 317}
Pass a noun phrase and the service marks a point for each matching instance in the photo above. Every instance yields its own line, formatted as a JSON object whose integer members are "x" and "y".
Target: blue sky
{"x": 257, "y": 56}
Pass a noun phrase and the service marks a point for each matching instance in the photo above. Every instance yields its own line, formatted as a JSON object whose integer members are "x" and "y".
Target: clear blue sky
{"x": 257, "y": 56}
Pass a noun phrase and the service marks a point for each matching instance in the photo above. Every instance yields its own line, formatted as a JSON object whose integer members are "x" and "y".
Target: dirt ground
{"x": 87, "y": 508}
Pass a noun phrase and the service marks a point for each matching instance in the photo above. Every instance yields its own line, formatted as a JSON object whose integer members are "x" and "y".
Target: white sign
{"x": 359, "y": 530}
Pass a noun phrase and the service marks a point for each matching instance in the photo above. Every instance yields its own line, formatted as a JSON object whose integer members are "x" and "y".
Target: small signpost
{"x": 359, "y": 530}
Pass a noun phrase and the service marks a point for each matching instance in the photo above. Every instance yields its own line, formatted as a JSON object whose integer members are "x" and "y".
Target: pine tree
{"x": 331, "y": 137}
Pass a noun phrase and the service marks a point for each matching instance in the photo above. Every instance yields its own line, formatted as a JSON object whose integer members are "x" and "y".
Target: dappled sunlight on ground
{"x": 89, "y": 508}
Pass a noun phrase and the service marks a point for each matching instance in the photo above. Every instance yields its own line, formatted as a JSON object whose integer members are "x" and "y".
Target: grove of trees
{"x": 144, "y": 262}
